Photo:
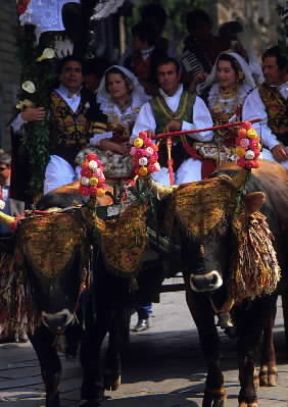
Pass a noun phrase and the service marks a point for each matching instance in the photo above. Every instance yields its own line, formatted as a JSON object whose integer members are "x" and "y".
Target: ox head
{"x": 52, "y": 250}
{"x": 204, "y": 213}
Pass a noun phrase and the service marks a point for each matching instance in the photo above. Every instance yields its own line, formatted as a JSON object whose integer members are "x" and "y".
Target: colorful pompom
{"x": 144, "y": 154}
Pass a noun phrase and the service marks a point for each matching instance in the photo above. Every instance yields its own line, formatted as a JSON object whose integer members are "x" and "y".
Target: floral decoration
{"x": 48, "y": 53}
{"x": 144, "y": 154}
{"x": 37, "y": 81}
{"x": 248, "y": 146}
{"x": 92, "y": 181}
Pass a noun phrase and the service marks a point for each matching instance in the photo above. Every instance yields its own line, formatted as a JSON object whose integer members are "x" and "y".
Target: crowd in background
{"x": 214, "y": 81}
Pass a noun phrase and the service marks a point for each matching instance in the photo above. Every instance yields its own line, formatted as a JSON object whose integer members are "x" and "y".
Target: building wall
{"x": 9, "y": 68}
{"x": 259, "y": 18}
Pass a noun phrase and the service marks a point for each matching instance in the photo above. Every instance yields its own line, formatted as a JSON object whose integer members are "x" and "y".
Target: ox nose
{"x": 57, "y": 322}
{"x": 206, "y": 282}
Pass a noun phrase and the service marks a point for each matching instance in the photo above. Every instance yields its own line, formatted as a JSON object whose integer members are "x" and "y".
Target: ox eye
{"x": 222, "y": 228}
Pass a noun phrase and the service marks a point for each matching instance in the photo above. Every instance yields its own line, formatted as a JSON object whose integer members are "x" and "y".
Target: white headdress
{"x": 211, "y": 78}
{"x": 138, "y": 94}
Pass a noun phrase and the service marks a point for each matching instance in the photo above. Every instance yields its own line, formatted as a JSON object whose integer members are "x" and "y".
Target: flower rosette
{"x": 92, "y": 180}
{"x": 145, "y": 155}
{"x": 248, "y": 147}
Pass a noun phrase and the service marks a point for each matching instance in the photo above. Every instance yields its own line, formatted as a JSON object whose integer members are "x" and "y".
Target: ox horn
{"x": 162, "y": 191}
{"x": 7, "y": 220}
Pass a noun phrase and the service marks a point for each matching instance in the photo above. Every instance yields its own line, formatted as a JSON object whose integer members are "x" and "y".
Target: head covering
{"x": 138, "y": 94}
{"x": 212, "y": 77}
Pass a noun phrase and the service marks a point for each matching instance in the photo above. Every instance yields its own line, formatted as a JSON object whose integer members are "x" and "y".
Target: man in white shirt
{"x": 174, "y": 109}
{"x": 274, "y": 95}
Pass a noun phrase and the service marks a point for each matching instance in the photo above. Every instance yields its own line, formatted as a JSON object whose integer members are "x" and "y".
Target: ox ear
{"x": 236, "y": 178}
{"x": 254, "y": 201}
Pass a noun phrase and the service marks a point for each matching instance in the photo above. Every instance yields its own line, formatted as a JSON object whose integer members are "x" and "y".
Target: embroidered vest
{"x": 163, "y": 114}
{"x": 277, "y": 111}
{"x": 69, "y": 130}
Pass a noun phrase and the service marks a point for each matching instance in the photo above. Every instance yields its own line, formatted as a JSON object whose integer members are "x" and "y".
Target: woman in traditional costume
{"x": 120, "y": 97}
{"x": 231, "y": 95}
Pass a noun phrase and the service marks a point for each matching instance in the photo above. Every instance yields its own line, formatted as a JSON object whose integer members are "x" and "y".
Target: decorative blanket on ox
{"x": 47, "y": 241}
{"x": 44, "y": 244}
{"x": 124, "y": 239}
{"x": 205, "y": 208}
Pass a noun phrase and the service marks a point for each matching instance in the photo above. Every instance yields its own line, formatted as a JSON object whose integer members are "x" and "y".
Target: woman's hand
{"x": 33, "y": 114}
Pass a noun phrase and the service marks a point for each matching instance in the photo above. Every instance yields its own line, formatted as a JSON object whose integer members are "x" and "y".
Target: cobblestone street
{"x": 162, "y": 367}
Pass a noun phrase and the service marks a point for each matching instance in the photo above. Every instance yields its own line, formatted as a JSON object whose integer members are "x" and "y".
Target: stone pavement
{"x": 163, "y": 367}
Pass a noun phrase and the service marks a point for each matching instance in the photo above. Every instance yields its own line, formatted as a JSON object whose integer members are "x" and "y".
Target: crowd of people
{"x": 103, "y": 107}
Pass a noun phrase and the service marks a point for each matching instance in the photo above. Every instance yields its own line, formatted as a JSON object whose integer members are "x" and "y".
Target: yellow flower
{"x": 252, "y": 133}
{"x": 93, "y": 181}
{"x": 48, "y": 53}
{"x": 22, "y": 104}
{"x": 100, "y": 192}
{"x": 143, "y": 171}
{"x": 240, "y": 151}
{"x": 29, "y": 87}
{"x": 138, "y": 142}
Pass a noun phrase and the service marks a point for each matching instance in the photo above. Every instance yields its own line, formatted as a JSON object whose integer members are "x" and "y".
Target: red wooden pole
{"x": 194, "y": 131}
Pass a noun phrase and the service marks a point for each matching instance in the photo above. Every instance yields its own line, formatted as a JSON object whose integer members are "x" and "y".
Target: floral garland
{"x": 92, "y": 181}
{"x": 144, "y": 154}
{"x": 248, "y": 147}
{"x": 38, "y": 78}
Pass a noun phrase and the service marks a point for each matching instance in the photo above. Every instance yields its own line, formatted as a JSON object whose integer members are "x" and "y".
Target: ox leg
{"x": 43, "y": 342}
{"x": 200, "y": 308}
{"x": 268, "y": 369}
{"x": 117, "y": 340}
{"x": 249, "y": 322}
{"x": 92, "y": 388}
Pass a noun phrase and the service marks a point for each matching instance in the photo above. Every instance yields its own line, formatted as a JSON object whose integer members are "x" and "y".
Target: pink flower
{"x": 133, "y": 150}
{"x": 244, "y": 142}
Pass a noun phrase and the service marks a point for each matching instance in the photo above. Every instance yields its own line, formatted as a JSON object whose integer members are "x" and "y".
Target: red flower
{"x": 22, "y": 6}
{"x": 91, "y": 156}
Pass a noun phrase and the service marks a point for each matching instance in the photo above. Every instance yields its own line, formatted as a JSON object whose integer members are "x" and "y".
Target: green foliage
{"x": 35, "y": 140}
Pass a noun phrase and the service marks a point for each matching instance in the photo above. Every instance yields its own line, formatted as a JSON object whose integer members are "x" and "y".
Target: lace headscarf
{"x": 247, "y": 83}
{"x": 212, "y": 77}
{"x": 138, "y": 95}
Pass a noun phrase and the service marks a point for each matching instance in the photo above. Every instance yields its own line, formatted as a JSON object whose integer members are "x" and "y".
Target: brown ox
{"x": 214, "y": 221}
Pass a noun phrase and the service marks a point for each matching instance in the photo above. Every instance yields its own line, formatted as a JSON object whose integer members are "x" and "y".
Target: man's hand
{"x": 173, "y": 125}
{"x": 33, "y": 114}
{"x": 279, "y": 152}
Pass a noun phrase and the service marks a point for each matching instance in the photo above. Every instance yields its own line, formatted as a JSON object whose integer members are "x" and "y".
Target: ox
{"x": 53, "y": 250}
{"x": 51, "y": 254}
{"x": 205, "y": 213}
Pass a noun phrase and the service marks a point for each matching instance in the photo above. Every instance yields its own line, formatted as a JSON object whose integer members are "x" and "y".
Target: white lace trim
{"x": 45, "y": 15}
{"x": 211, "y": 78}
{"x": 238, "y": 99}
{"x": 138, "y": 98}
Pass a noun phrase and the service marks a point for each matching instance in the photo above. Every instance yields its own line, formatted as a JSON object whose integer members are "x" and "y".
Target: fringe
{"x": 256, "y": 271}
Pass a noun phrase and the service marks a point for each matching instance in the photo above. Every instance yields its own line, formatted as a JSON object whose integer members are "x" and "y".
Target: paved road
{"x": 162, "y": 367}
